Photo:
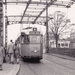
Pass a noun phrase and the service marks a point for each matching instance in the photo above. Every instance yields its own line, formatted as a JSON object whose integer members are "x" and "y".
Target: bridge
{"x": 31, "y": 13}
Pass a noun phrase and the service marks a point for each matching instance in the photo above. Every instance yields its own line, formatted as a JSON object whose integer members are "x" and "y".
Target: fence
{"x": 63, "y": 51}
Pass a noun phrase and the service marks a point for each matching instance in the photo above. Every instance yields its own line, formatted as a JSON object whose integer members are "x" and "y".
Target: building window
{"x": 59, "y": 45}
{"x": 62, "y": 44}
{"x": 66, "y": 44}
{"x": 52, "y": 43}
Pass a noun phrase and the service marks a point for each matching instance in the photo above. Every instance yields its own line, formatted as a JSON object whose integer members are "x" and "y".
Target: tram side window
{"x": 22, "y": 39}
{"x": 26, "y": 39}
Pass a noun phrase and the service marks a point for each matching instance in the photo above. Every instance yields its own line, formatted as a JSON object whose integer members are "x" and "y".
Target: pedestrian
{"x": 16, "y": 53}
{"x": 19, "y": 45}
{"x": 4, "y": 55}
{"x": 11, "y": 52}
{"x": 1, "y": 56}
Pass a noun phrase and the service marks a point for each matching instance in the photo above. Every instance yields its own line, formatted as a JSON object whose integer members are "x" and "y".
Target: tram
{"x": 32, "y": 44}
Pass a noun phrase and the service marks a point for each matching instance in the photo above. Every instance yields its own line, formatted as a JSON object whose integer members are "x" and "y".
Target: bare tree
{"x": 73, "y": 0}
{"x": 59, "y": 25}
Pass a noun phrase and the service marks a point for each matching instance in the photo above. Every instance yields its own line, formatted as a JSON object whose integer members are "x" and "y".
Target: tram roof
{"x": 30, "y": 11}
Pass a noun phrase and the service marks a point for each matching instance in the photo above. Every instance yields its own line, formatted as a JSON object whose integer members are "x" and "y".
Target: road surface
{"x": 49, "y": 65}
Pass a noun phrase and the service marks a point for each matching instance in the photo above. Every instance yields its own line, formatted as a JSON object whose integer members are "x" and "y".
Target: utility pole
{"x": 6, "y": 23}
{"x": 47, "y": 34}
{"x": 1, "y": 22}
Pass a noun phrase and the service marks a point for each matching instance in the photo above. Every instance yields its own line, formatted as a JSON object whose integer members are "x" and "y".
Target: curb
{"x": 14, "y": 72}
{"x": 18, "y": 70}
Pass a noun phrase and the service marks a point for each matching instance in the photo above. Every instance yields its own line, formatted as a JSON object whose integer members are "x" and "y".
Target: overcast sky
{"x": 14, "y": 30}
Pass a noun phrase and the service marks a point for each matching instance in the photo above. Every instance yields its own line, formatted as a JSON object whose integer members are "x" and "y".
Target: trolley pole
{"x": 47, "y": 34}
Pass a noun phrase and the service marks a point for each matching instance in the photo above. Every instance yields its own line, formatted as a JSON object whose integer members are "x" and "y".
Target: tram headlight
{"x": 35, "y": 51}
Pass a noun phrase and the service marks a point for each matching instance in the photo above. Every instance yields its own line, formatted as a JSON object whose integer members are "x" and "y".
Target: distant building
{"x": 72, "y": 40}
{"x": 62, "y": 43}
{"x": 72, "y": 35}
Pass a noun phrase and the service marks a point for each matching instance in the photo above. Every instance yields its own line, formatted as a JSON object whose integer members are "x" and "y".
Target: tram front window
{"x": 34, "y": 39}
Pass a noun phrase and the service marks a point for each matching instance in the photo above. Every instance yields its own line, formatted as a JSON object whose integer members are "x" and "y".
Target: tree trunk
{"x": 56, "y": 39}
{"x": 56, "y": 43}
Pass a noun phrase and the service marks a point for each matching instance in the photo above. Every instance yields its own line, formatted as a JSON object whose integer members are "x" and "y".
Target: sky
{"x": 14, "y": 30}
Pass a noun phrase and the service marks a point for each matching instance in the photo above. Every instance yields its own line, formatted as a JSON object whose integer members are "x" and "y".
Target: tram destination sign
{"x": 34, "y": 32}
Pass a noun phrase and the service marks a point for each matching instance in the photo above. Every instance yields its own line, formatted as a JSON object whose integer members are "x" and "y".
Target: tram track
{"x": 32, "y": 69}
{"x": 26, "y": 69}
{"x": 35, "y": 68}
{"x": 38, "y": 68}
{"x": 47, "y": 66}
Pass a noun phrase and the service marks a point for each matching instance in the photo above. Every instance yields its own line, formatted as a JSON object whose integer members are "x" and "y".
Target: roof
{"x": 30, "y": 11}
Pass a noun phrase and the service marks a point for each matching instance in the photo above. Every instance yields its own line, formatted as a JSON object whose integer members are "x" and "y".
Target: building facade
{"x": 62, "y": 43}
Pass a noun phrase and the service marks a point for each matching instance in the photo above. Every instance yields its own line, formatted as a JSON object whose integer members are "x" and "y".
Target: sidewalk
{"x": 10, "y": 69}
{"x": 63, "y": 56}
